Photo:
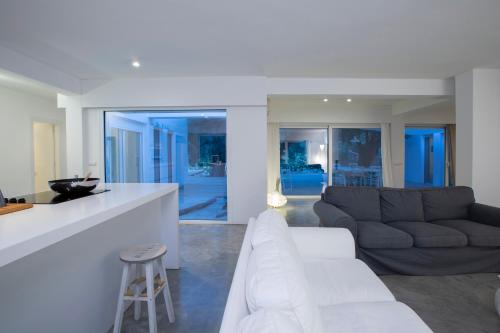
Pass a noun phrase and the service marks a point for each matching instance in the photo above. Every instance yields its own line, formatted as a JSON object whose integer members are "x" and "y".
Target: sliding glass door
{"x": 303, "y": 160}
{"x": 350, "y": 155}
{"x": 188, "y": 148}
{"x": 356, "y": 157}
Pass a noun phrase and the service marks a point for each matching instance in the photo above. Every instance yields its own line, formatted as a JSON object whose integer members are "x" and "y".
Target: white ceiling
{"x": 95, "y": 39}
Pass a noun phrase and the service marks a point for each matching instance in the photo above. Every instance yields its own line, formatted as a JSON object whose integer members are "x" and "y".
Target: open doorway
{"x": 425, "y": 157}
{"x": 46, "y": 157}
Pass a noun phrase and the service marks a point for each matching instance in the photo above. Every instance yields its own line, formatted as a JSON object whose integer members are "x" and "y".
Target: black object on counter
{"x": 51, "y": 197}
{"x": 2, "y": 200}
{"x": 73, "y": 186}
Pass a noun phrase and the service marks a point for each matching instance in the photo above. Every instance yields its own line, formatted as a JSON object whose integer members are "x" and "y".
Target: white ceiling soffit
{"x": 97, "y": 39}
{"x": 20, "y": 83}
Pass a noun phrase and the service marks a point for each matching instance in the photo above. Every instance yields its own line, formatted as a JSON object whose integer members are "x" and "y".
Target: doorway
{"x": 425, "y": 157}
{"x": 46, "y": 159}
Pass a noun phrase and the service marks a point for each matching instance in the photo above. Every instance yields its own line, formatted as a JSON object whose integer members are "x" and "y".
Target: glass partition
{"x": 184, "y": 147}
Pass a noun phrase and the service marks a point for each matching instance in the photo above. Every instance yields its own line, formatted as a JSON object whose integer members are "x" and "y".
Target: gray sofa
{"x": 416, "y": 232}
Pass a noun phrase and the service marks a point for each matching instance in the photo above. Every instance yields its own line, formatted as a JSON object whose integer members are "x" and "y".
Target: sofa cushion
{"x": 269, "y": 321}
{"x": 401, "y": 205}
{"x": 427, "y": 234}
{"x": 372, "y": 317}
{"x": 481, "y": 235}
{"x": 377, "y": 235}
{"x": 362, "y": 203}
{"x": 447, "y": 203}
{"x": 344, "y": 280}
{"x": 274, "y": 280}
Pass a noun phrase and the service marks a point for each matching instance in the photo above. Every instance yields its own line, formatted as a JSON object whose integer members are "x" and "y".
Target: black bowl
{"x": 73, "y": 186}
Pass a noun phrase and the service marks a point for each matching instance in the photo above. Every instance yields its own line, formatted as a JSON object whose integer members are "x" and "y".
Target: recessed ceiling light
{"x": 348, "y": 100}
{"x": 325, "y": 100}
{"x": 136, "y": 64}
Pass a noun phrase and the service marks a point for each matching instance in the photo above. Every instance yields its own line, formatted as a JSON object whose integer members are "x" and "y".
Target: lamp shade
{"x": 276, "y": 199}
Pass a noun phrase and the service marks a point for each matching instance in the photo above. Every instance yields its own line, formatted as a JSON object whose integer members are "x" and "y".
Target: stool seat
{"x": 143, "y": 253}
{"x": 143, "y": 288}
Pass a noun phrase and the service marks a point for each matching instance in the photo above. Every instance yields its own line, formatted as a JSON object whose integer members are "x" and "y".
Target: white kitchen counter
{"x": 59, "y": 264}
{"x": 31, "y": 230}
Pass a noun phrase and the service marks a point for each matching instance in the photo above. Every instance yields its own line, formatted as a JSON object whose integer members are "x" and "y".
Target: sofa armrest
{"x": 331, "y": 216}
{"x": 485, "y": 214}
{"x": 323, "y": 243}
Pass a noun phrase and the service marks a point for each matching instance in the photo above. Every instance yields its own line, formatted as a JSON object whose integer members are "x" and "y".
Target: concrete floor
{"x": 200, "y": 288}
{"x": 448, "y": 304}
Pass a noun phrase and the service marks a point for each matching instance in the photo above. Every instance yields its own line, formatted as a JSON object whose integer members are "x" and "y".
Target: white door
{"x": 44, "y": 154}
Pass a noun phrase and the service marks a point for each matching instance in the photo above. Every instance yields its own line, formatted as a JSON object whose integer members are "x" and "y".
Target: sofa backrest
{"x": 362, "y": 203}
{"x": 447, "y": 203}
{"x": 236, "y": 305}
{"x": 401, "y": 205}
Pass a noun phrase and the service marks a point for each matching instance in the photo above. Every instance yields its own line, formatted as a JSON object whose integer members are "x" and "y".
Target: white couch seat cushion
{"x": 268, "y": 321}
{"x": 344, "y": 280}
{"x": 372, "y": 317}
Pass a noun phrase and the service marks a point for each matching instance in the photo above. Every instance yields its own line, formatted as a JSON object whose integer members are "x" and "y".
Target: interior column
{"x": 478, "y": 123}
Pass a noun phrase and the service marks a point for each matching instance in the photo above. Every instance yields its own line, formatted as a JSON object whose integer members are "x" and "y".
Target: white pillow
{"x": 270, "y": 225}
{"x": 268, "y": 321}
{"x": 275, "y": 281}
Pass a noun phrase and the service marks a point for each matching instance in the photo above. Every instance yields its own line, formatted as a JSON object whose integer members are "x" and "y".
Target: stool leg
{"x": 119, "y": 308}
{"x": 166, "y": 292}
{"x": 137, "y": 291}
{"x": 151, "y": 299}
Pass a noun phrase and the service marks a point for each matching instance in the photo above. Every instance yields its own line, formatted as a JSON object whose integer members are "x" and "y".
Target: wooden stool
{"x": 144, "y": 288}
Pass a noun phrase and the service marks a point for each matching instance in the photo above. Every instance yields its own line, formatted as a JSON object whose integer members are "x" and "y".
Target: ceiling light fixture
{"x": 348, "y": 100}
{"x": 136, "y": 64}
{"x": 325, "y": 100}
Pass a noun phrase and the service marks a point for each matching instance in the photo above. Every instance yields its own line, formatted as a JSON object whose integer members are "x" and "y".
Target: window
{"x": 356, "y": 157}
{"x": 303, "y": 160}
{"x": 425, "y": 157}
{"x": 188, "y": 148}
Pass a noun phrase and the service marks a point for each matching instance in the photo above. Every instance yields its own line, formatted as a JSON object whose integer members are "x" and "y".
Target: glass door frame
{"x": 329, "y": 127}
{"x": 446, "y": 149}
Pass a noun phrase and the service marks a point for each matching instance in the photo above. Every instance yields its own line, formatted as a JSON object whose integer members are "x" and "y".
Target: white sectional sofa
{"x": 294, "y": 280}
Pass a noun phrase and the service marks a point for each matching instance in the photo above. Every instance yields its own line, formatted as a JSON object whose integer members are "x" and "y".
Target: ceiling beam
{"x": 20, "y": 64}
{"x": 409, "y": 105}
{"x": 353, "y": 87}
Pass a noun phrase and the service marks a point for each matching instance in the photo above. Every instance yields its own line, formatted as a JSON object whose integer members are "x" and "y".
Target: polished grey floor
{"x": 200, "y": 288}
{"x": 448, "y": 304}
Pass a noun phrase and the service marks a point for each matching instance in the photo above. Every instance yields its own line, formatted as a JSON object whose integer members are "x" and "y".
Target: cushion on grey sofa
{"x": 362, "y": 203}
{"x": 448, "y": 203}
{"x": 481, "y": 235}
{"x": 377, "y": 235}
{"x": 401, "y": 205}
{"x": 431, "y": 235}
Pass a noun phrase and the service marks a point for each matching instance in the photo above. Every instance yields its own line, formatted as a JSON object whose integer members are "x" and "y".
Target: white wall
{"x": 478, "y": 122}
{"x": 247, "y": 162}
{"x": 244, "y": 99}
{"x": 302, "y": 111}
{"x": 18, "y": 111}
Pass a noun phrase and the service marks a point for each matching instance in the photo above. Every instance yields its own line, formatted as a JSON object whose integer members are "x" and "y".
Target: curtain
{"x": 386, "y": 155}
{"x": 273, "y": 155}
{"x": 451, "y": 133}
